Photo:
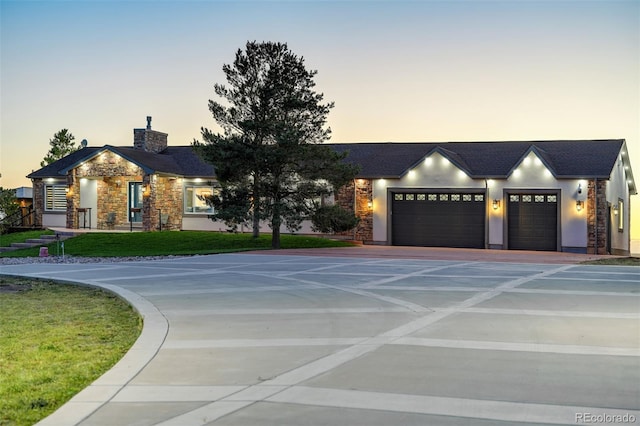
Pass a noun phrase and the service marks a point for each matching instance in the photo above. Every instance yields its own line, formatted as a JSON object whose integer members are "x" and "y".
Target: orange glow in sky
{"x": 427, "y": 71}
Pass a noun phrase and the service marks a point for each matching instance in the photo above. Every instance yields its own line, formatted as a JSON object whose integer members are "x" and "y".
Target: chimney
{"x": 149, "y": 140}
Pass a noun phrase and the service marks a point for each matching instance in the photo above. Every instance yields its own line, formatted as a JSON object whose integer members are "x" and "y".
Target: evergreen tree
{"x": 61, "y": 145}
{"x": 269, "y": 158}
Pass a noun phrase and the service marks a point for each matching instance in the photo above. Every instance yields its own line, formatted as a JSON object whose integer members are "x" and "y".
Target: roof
{"x": 565, "y": 159}
{"x": 177, "y": 161}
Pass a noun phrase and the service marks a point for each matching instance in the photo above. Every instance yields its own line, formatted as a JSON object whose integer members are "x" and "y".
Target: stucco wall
{"x": 618, "y": 189}
{"x": 438, "y": 172}
{"x": 203, "y": 223}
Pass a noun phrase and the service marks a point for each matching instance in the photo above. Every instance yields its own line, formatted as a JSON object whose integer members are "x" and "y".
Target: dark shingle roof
{"x": 565, "y": 159}
{"x": 179, "y": 160}
{"x": 53, "y": 169}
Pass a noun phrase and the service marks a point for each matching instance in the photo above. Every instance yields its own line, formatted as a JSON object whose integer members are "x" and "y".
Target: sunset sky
{"x": 397, "y": 71}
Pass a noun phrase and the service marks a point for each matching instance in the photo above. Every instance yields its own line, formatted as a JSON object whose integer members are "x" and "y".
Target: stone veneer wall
{"x": 73, "y": 199}
{"x": 38, "y": 200}
{"x": 363, "y": 195}
{"x": 113, "y": 174}
{"x": 165, "y": 198}
{"x": 112, "y": 197}
{"x": 598, "y": 205}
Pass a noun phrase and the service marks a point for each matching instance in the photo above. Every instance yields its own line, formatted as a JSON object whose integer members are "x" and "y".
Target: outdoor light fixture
{"x": 615, "y": 210}
{"x": 579, "y": 205}
{"x": 370, "y": 204}
{"x": 496, "y": 204}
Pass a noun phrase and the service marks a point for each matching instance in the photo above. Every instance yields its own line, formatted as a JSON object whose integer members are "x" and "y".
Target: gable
{"x": 564, "y": 159}
{"x": 175, "y": 161}
{"x": 435, "y": 170}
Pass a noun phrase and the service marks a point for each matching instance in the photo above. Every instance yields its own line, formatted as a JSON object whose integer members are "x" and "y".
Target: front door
{"x": 135, "y": 201}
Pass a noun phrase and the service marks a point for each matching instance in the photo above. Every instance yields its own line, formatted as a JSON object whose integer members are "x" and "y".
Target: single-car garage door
{"x": 533, "y": 222}
{"x": 438, "y": 219}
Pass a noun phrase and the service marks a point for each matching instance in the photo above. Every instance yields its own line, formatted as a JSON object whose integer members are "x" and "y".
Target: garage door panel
{"x": 438, "y": 220}
{"x": 533, "y": 222}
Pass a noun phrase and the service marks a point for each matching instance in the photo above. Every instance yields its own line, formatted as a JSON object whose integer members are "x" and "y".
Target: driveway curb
{"x": 154, "y": 331}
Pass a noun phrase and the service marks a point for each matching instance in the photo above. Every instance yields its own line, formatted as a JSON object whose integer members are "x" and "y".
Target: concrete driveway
{"x": 251, "y": 339}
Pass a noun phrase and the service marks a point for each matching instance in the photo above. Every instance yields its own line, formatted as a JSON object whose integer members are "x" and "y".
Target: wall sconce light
{"x": 579, "y": 205}
{"x": 147, "y": 190}
{"x": 496, "y": 204}
{"x": 370, "y": 204}
{"x": 616, "y": 209}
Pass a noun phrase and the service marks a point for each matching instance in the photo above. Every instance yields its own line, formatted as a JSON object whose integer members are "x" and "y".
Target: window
{"x": 552, "y": 198}
{"x": 478, "y": 197}
{"x": 466, "y": 197}
{"x": 455, "y": 197}
{"x": 620, "y": 215}
{"x": 398, "y": 197}
{"x": 55, "y": 198}
{"x": 195, "y": 199}
{"x": 421, "y": 197}
{"x": 410, "y": 197}
{"x": 539, "y": 198}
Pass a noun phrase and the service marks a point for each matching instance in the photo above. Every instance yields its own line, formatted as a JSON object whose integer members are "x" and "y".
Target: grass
{"x": 56, "y": 339}
{"x": 619, "y": 261}
{"x": 20, "y": 237}
{"x": 171, "y": 243}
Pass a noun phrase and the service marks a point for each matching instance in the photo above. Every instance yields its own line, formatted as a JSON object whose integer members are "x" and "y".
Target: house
{"x": 539, "y": 195}
{"x": 148, "y": 185}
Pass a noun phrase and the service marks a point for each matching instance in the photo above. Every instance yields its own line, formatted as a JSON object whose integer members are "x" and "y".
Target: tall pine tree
{"x": 61, "y": 145}
{"x": 269, "y": 158}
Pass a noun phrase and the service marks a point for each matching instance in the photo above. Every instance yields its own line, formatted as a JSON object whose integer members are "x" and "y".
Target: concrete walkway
{"x": 284, "y": 339}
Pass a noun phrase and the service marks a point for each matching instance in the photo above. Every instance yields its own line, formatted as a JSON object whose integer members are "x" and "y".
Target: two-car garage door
{"x": 438, "y": 219}
{"x": 457, "y": 219}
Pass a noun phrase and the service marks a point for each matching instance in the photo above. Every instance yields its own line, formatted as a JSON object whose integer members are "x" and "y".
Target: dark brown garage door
{"x": 437, "y": 219}
{"x": 533, "y": 222}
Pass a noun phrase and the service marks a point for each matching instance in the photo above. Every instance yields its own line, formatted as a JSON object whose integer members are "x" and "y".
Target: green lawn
{"x": 171, "y": 243}
{"x": 19, "y": 237}
{"x": 56, "y": 339}
{"x": 619, "y": 261}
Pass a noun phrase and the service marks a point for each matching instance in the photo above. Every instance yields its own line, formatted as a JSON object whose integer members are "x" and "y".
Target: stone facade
{"x": 38, "y": 201}
{"x": 597, "y": 217}
{"x": 163, "y": 201}
{"x": 73, "y": 199}
{"x": 357, "y": 196}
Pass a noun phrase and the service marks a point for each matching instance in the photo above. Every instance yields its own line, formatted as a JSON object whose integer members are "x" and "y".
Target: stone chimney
{"x": 149, "y": 140}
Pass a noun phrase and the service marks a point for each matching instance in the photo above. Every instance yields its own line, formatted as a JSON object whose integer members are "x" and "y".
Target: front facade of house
{"x": 547, "y": 195}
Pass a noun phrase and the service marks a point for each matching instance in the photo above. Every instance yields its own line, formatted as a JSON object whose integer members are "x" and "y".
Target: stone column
{"x": 597, "y": 217}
